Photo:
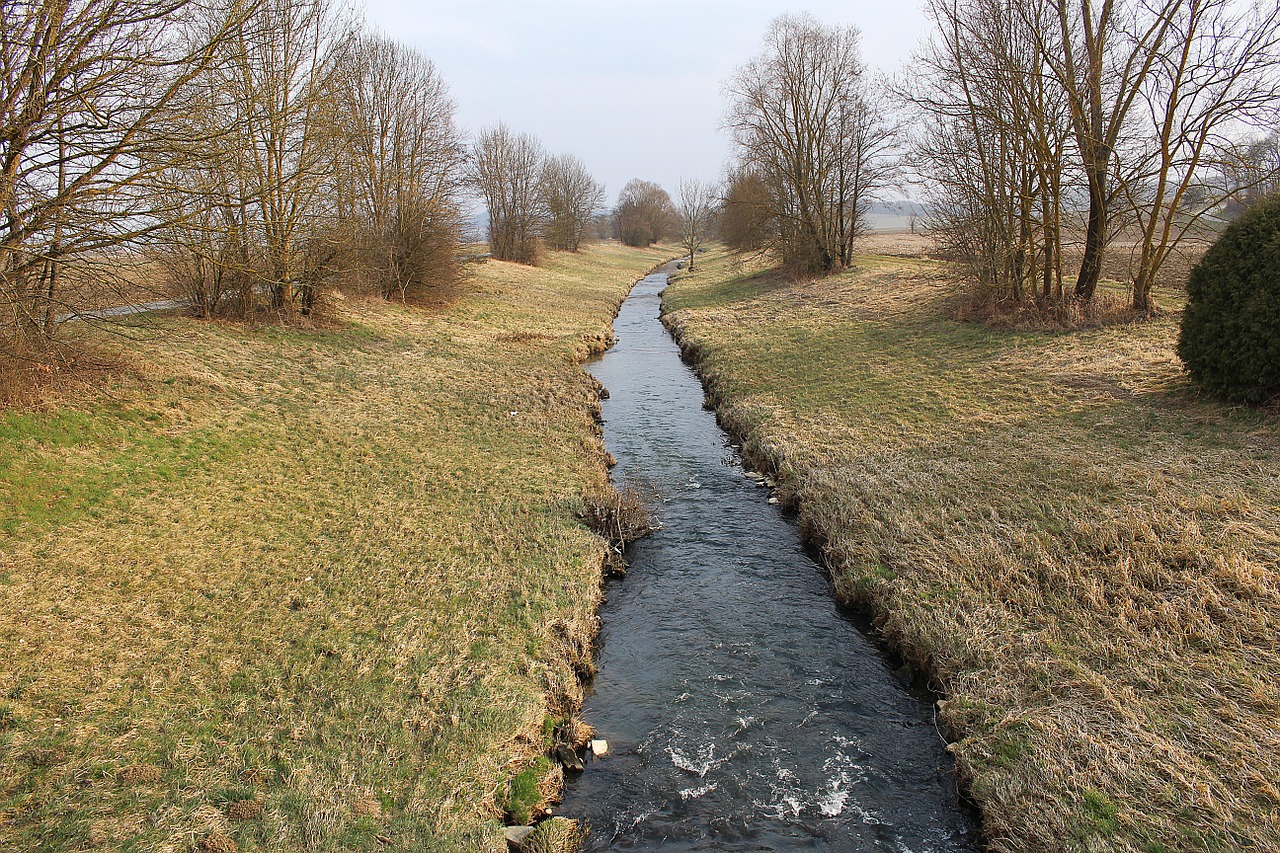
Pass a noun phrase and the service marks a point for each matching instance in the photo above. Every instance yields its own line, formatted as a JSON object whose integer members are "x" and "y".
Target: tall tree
{"x": 284, "y": 76}
{"x": 87, "y": 92}
{"x": 404, "y": 157}
{"x": 505, "y": 168}
{"x": 804, "y": 121}
{"x": 1123, "y": 103}
{"x": 644, "y": 214}
{"x": 697, "y": 206}
{"x": 991, "y": 146}
{"x": 1223, "y": 70}
{"x": 569, "y": 198}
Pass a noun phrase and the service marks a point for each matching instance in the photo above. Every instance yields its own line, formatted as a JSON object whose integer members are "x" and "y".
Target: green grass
{"x": 1080, "y": 550}
{"x": 66, "y": 465}
{"x": 337, "y": 573}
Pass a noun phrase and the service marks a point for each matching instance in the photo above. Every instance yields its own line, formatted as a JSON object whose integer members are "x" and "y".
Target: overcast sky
{"x": 634, "y": 89}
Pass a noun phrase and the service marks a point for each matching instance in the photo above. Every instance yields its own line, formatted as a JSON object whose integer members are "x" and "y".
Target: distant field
{"x": 1118, "y": 264}
{"x": 1081, "y": 552}
{"x": 305, "y": 590}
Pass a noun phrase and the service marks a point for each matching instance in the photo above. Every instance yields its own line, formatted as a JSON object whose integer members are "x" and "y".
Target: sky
{"x": 633, "y": 89}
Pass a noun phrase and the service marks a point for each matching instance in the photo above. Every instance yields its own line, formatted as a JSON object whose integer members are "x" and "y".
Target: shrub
{"x": 1230, "y": 339}
{"x": 621, "y": 516}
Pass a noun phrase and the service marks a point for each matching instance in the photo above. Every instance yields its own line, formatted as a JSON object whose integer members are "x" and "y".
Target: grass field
{"x": 277, "y": 589}
{"x": 1082, "y": 553}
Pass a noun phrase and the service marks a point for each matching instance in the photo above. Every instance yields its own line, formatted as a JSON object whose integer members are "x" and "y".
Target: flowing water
{"x": 742, "y": 709}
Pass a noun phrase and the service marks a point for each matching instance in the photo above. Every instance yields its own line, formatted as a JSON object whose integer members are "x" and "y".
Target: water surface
{"x": 744, "y": 711}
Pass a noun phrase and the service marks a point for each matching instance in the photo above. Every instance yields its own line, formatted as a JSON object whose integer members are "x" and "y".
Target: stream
{"x": 743, "y": 709}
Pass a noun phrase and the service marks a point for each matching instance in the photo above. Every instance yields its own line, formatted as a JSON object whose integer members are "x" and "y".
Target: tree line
{"x": 532, "y": 198}
{"x": 254, "y": 153}
{"x": 249, "y": 154}
{"x": 1032, "y": 127}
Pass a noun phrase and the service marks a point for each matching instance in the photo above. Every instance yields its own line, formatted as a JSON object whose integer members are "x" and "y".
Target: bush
{"x": 621, "y": 516}
{"x": 1230, "y": 339}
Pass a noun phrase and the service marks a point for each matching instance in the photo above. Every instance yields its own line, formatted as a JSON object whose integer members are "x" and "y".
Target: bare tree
{"x": 1223, "y": 71}
{"x": 991, "y": 146}
{"x": 569, "y": 198}
{"x": 744, "y": 215}
{"x": 402, "y": 161}
{"x": 87, "y": 91}
{"x": 866, "y": 164}
{"x": 697, "y": 206}
{"x": 644, "y": 214}
{"x": 805, "y": 121}
{"x": 284, "y": 77}
{"x": 1123, "y": 104}
{"x": 1150, "y": 86}
{"x": 505, "y": 168}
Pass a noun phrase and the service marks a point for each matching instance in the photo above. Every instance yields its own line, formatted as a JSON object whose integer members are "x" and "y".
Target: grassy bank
{"x": 278, "y": 589}
{"x": 1083, "y": 554}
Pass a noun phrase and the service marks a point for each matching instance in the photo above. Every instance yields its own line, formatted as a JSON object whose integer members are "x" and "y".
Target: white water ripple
{"x": 694, "y": 793}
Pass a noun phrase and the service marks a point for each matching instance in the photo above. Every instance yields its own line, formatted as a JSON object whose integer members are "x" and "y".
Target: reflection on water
{"x": 743, "y": 711}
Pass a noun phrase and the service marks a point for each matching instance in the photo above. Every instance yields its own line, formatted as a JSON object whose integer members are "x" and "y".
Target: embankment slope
{"x": 288, "y": 590}
{"x": 1082, "y": 553}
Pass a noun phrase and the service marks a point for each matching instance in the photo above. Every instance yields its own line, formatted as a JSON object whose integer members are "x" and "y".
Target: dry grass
{"x": 1108, "y": 307}
{"x": 623, "y": 515}
{"x": 1083, "y": 553}
{"x": 335, "y": 579}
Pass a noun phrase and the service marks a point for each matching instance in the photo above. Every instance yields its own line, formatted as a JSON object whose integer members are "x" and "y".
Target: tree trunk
{"x": 1095, "y": 241}
{"x": 1142, "y": 295}
{"x": 1144, "y": 282}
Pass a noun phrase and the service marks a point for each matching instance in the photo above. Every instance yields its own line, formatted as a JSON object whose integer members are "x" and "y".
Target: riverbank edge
{"x": 914, "y": 665}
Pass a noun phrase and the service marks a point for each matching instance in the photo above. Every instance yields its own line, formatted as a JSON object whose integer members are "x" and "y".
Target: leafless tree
{"x": 402, "y": 161}
{"x": 1222, "y": 71}
{"x": 805, "y": 120}
{"x": 644, "y": 214}
{"x": 991, "y": 147}
{"x": 744, "y": 214}
{"x": 87, "y": 92}
{"x": 569, "y": 198}
{"x": 1122, "y": 103}
{"x": 505, "y": 168}
{"x": 259, "y": 193}
{"x": 284, "y": 75}
{"x": 1149, "y": 87}
{"x": 697, "y": 206}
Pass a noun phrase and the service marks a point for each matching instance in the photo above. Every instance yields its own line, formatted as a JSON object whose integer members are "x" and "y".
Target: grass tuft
{"x": 621, "y": 515}
{"x": 557, "y": 835}
{"x": 524, "y": 798}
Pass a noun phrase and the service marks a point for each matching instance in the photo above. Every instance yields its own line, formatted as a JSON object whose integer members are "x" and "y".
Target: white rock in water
{"x": 599, "y": 746}
{"x": 773, "y": 500}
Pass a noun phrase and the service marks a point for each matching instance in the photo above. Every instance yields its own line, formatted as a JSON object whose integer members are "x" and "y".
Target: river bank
{"x": 283, "y": 589}
{"x": 1079, "y": 551}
